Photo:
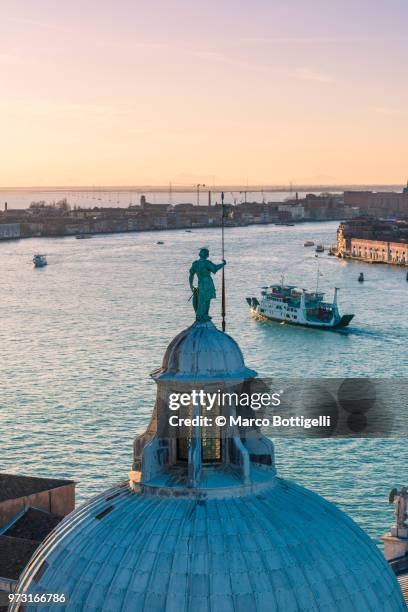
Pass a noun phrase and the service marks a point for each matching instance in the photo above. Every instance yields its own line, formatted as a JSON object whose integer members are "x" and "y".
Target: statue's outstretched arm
{"x": 215, "y": 267}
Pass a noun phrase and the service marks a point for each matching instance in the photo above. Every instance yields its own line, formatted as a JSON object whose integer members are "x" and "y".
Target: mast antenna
{"x": 317, "y": 277}
{"x": 223, "y": 258}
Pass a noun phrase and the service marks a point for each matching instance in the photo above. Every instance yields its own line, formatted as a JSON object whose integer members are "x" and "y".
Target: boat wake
{"x": 367, "y": 333}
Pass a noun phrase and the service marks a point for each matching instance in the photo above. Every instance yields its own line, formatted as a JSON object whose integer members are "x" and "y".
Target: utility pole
{"x": 209, "y": 197}
{"x": 198, "y": 192}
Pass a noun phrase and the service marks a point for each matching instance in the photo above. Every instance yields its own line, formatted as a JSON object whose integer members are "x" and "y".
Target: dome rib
{"x": 203, "y": 352}
{"x": 285, "y": 550}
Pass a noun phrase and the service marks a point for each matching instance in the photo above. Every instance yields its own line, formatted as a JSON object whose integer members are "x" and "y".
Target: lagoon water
{"x": 79, "y": 338}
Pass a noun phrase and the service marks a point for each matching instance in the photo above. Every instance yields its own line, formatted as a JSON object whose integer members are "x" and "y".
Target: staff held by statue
{"x": 223, "y": 259}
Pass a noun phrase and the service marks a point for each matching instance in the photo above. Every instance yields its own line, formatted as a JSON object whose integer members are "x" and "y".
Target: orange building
{"x": 374, "y": 240}
{"x": 381, "y": 251}
{"x": 379, "y": 203}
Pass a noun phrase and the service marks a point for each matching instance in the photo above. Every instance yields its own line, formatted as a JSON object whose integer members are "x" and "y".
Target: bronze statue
{"x": 400, "y": 501}
{"x": 205, "y": 291}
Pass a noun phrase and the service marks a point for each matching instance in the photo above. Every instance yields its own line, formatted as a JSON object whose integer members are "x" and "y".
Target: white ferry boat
{"x": 290, "y": 304}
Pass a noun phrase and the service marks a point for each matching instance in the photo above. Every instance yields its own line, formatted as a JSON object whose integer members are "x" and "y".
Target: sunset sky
{"x": 131, "y": 92}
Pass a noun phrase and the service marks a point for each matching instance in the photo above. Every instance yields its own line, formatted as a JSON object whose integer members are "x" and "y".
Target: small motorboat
{"x": 308, "y": 243}
{"x": 82, "y": 236}
{"x": 160, "y": 242}
{"x": 188, "y": 231}
{"x": 361, "y": 277}
{"x": 319, "y": 248}
{"x": 39, "y": 261}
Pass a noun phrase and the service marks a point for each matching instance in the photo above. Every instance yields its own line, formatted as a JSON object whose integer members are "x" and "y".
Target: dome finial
{"x": 205, "y": 290}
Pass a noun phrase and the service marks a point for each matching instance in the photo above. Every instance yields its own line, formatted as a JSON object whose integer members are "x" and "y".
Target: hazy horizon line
{"x": 203, "y": 188}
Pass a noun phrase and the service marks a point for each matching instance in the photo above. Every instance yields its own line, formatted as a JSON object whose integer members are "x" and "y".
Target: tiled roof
{"x": 286, "y": 550}
{"x": 403, "y": 581}
{"x": 14, "y": 555}
{"x": 13, "y": 487}
{"x": 34, "y": 525}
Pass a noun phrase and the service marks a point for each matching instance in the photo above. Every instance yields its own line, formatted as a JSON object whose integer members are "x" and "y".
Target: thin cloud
{"x": 39, "y": 24}
{"x": 293, "y": 40}
{"x": 309, "y": 74}
{"x": 384, "y": 110}
{"x": 97, "y": 42}
{"x": 133, "y": 45}
{"x": 215, "y": 56}
{"x": 5, "y": 59}
{"x": 46, "y": 107}
{"x": 315, "y": 40}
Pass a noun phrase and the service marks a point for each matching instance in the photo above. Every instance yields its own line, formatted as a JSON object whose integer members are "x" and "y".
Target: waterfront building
{"x": 380, "y": 251}
{"x": 374, "y": 240}
{"x": 312, "y": 207}
{"x": 9, "y": 231}
{"x": 190, "y": 215}
{"x": 204, "y": 522}
{"x": 251, "y": 213}
{"x": 296, "y": 211}
{"x": 379, "y": 203}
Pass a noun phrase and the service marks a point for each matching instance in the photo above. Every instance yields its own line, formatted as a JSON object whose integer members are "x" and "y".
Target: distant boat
{"x": 160, "y": 242}
{"x": 82, "y": 236}
{"x": 297, "y": 306}
{"x": 319, "y": 248}
{"x": 188, "y": 231}
{"x": 39, "y": 261}
{"x": 284, "y": 223}
{"x": 361, "y": 277}
{"x": 308, "y": 243}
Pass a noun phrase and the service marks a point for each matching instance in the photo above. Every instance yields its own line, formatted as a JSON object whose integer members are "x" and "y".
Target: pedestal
{"x": 395, "y": 543}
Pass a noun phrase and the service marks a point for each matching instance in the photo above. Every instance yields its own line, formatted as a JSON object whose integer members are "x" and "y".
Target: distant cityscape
{"x": 60, "y": 218}
{"x": 374, "y": 224}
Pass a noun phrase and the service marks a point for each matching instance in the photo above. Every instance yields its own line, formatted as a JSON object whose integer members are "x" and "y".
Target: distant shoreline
{"x": 169, "y": 229}
{"x": 192, "y": 189}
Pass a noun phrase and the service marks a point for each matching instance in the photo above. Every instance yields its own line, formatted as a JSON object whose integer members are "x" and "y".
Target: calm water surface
{"x": 79, "y": 338}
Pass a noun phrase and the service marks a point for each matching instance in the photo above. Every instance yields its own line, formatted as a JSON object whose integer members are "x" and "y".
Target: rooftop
{"x": 403, "y": 582}
{"x": 14, "y": 554}
{"x": 283, "y": 549}
{"x": 33, "y": 524}
{"x": 13, "y": 486}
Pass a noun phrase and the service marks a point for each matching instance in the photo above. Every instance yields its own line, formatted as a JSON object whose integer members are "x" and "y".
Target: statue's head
{"x": 204, "y": 253}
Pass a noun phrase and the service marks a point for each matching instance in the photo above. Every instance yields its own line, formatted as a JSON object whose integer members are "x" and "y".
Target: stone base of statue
{"x": 399, "y": 532}
{"x": 395, "y": 543}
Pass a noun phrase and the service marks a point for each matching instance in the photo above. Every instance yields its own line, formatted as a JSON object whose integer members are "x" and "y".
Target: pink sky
{"x": 148, "y": 92}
